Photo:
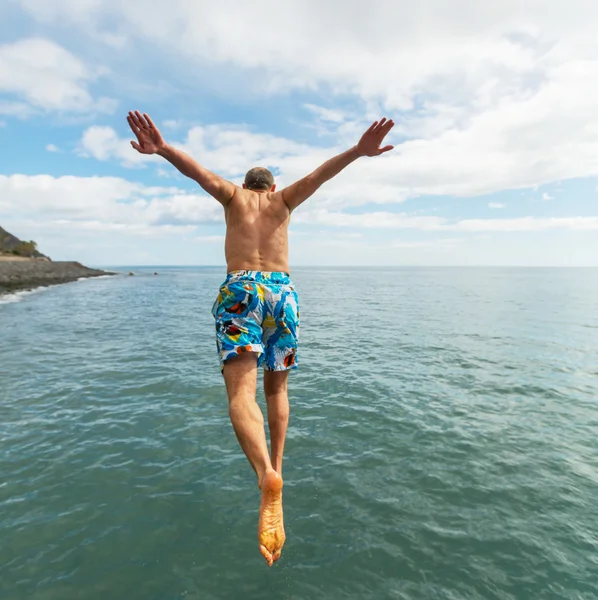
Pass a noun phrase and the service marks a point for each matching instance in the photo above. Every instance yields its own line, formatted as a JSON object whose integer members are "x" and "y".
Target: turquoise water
{"x": 442, "y": 444}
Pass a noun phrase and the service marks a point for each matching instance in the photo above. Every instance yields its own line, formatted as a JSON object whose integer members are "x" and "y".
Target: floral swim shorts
{"x": 258, "y": 311}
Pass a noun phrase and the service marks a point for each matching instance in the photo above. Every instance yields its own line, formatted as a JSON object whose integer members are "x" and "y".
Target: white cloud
{"x": 229, "y": 150}
{"x": 115, "y": 203}
{"x": 354, "y": 235}
{"x": 326, "y": 114}
{"x": 441, "y": 243}
{"x": 209, "y": 239}
{"x": 15, "y": 109}
{"x": 109, "y": 220}
{"x": 500, "y": 96}
{"x": 454, "y": 163}
{"x": 385, "y": 220}
{"x": 528, "y": 224}
{"x": 234, "y": 149}
{"x": 52, "y": 148}
{"x": 103, "y": 143}
{"x": 44, "y": 76}
{"x": 546, "y": 196}
{"x": 495, "y": 205}
{"x": 372, "y": 220}
{"x": 104, "y": 203}
{"x": 377, "y": 49}
{"x": 80, "y": 12}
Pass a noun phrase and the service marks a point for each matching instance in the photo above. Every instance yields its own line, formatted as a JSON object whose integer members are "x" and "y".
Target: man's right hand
{"x": 369, "y": 144}
{"x": 148, "y": 137}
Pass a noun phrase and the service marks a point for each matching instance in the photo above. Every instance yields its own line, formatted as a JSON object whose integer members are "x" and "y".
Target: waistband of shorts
{"x": 276, "y": 277}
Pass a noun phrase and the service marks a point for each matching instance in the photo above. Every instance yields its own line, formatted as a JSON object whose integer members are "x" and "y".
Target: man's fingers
{"x": 386, "y": 149}
{"x": 134, "y": 119}
{"x": 372, "y": 127}
{"x": 136, "y": 146}
{"x": 138, "y": 128}
{"x": 138, "y": 132}
{"x": 149, "y": 121}
{"x": 132, "y": 124}
{"x": 384, "y": 127}
{"x": 142, "y": 121}
{"x": 138, "y": 120}
{"x": 388, "y": 126}
{"x": 380, "y": 125}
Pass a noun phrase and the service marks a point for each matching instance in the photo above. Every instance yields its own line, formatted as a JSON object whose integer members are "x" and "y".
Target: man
{"x": 257, "y": 313}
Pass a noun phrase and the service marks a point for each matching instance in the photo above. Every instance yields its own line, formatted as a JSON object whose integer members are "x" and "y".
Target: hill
{"x": 11, "y": 245}
{"x": 23, "y": 266}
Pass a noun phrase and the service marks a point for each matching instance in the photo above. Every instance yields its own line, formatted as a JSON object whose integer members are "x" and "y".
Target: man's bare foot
{"x": 271, "y": 534}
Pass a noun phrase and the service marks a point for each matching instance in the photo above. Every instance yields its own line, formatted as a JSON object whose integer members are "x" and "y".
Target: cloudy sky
{"x": 496, "y": 157}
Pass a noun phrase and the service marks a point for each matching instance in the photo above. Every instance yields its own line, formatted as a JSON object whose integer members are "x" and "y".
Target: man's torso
{"x": 257, "y": 232}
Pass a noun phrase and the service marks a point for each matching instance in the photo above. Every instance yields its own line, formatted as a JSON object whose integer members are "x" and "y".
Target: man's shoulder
{"x": 277, "y": 199}
{"x": 243, "y": 195}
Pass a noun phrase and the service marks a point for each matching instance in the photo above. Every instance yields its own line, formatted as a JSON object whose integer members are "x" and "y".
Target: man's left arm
{"x": 368, "y": 145}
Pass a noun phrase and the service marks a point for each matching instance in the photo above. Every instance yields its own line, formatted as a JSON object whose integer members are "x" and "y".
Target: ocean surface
{"x": 443, "y": 441}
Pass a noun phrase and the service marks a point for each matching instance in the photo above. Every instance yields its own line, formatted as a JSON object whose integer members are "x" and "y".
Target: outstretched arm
{"x": 368, "y": 145}
{"x": 150, "y": 141}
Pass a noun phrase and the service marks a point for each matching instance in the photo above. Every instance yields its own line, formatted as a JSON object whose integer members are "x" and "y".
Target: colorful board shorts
{"x": 258, "y": 311}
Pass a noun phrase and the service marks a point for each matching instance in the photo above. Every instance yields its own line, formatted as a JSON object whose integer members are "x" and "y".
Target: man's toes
{"x": 266, "y": 554}
{"x": 276, "y": 555}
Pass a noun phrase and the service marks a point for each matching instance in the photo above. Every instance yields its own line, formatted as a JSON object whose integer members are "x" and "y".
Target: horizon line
{"x": 332, "y": 266}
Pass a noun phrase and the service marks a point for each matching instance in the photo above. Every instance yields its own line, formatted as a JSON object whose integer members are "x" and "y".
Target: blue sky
{"x": 496, "y": 157}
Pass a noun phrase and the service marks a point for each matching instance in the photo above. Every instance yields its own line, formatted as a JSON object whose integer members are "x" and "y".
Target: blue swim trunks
{"x": 258, "y": 311}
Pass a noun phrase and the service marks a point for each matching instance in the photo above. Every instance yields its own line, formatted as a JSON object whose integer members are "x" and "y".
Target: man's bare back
{"x": 257, "y": 311}
{"x": 257, "y": 225}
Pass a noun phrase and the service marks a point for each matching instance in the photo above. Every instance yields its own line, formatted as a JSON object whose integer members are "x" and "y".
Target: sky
{"x": 496, "y": 136}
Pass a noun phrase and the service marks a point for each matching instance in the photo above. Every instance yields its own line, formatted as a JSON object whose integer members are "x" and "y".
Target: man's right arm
{"x": 150, "y": 141}
{"x": 369, "y": 145}
{"x": 218, "y": 187}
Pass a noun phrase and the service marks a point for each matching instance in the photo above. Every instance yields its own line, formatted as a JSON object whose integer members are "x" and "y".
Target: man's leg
{"x": 240, "y": 375}
{"x": 277, "y": 399}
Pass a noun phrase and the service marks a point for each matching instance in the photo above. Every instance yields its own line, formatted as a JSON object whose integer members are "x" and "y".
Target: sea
{"x": 443, "y": 441}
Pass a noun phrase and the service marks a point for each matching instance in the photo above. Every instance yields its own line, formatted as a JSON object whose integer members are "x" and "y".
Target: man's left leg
{"x": 240, "y": 375}
{"x": 277, "y": 400}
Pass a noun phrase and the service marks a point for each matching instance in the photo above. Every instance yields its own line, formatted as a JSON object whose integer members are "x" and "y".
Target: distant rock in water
{"x": 23, "y": 267}
{"x": 131, "y": 274}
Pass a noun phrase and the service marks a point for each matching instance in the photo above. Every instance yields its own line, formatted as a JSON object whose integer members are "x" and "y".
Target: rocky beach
{"x": 27, "y": 273}
{"x": 24, "y": 267}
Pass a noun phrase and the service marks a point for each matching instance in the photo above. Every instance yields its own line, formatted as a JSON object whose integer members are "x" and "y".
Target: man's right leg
{"x": 240, "y": 375}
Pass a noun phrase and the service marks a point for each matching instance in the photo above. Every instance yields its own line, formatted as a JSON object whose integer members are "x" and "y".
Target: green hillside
{"x": 12, "y": 245}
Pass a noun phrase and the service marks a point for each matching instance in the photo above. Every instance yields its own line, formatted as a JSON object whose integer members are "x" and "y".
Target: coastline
{"x": 28, "y": 274}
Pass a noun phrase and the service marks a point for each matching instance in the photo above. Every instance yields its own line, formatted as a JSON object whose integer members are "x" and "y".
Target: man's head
{"x": 259, "y": 179}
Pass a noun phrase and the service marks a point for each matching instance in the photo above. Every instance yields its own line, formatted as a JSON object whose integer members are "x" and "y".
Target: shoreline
{"x": 27, "y": 275}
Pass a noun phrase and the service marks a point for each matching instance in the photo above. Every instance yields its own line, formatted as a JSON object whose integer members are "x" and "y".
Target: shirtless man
{"x": 257, "y": 313}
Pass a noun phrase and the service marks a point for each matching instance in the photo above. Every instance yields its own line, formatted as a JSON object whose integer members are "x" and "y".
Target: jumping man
{"x": 257, "y": 311}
